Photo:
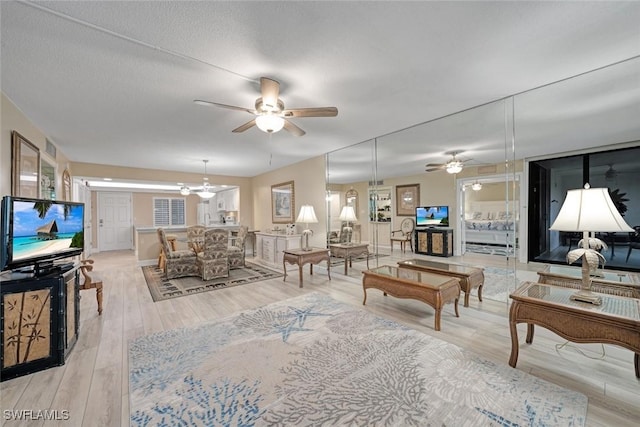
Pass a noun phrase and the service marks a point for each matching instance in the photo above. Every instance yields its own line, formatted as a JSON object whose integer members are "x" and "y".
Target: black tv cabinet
{"x": 39, "y": 320}
{"x": 437, "y": 241}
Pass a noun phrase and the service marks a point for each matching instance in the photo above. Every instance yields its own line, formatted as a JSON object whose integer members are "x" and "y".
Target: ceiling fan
{"x": 271, "y": 116}
{"x": 454, "y": 165}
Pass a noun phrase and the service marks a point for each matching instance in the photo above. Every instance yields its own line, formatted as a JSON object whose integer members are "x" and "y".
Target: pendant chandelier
{"x": 206, "y": 192}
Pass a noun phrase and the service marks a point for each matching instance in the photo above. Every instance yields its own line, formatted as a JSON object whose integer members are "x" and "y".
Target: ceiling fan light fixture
{"x": 476, "y": 186}
{"x": 269, "y": 123}
{"x": 454, "y": 166}
{"x": 205, "y": 193}
{"x": 184, "y": 190}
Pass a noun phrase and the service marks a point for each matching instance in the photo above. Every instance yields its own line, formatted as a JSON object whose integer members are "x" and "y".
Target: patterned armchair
{"x": 179, "y": 263}
{"x": 213, "y": 261}
{"x": 195, "y": 236}
{"x": 236, "y": 252}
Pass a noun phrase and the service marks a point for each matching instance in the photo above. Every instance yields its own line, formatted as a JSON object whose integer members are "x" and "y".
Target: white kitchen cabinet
{"x": 228, "y": 200}
{"x": 270, "y": 246}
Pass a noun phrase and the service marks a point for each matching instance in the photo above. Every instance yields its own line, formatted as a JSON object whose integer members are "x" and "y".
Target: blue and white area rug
{"x": 311, "y": 360}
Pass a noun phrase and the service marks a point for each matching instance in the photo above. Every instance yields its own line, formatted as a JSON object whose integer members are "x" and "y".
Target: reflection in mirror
{"x": 351, "y": 199}
{"x": 398, "y": 160}
{"x": 349, "y": 171}
{"x": 47, "y": 180}
{"x": 596, "y": 116}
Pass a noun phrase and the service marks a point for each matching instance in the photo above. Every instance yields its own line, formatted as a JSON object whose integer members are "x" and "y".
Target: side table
{"x": 301, "y": 257}
{"x": 348, "y": 251}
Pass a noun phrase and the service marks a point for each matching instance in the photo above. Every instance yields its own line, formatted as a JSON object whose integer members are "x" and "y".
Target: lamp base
{"x": 305, "y": 238}
{"x": 586, "y": 296}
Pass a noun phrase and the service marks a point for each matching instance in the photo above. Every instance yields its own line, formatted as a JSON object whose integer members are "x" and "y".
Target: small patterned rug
{"x": 311, "y": 360}
{"x": 161, "y": 288}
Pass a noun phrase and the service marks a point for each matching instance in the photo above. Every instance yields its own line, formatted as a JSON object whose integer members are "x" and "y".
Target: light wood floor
{"x": 93, "y": 384}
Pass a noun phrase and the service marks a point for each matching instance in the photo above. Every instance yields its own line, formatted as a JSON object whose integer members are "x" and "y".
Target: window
{"x": 168, "y": 212}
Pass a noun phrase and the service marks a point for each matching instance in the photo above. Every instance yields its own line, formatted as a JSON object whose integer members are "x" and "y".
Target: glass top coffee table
{"x": 470, "y": 277}
{"x": 433, "y": 289}
{"x": 607, "y": 281}
{"x": 615, "y": 321}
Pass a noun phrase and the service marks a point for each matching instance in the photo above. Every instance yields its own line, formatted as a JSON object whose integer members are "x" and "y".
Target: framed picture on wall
{"x": 407, "y": 199}
{"x": 282, "y": 203}
{"x": 25, "y": 167}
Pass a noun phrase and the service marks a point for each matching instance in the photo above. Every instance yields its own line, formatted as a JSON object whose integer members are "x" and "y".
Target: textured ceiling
{"x": 113, "y": 82}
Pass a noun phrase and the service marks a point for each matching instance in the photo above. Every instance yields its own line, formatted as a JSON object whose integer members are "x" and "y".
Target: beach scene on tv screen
{"x": 43, "y": 228}
{"x": 436, "y": 215}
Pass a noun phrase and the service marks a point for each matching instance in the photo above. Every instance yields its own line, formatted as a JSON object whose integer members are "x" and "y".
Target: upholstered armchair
{"x": 179, "y": 263}
{"x": 213, "y": 260}
{"x": 236, "y": 251}
{"x": 195, "y": 237}
{"x": 404, "y": 234}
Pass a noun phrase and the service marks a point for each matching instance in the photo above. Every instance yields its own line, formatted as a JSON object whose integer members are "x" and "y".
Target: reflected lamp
{"x": 589, "y": 210}
{"x": 349, "y": 215}
{"x": 307, "y": 216}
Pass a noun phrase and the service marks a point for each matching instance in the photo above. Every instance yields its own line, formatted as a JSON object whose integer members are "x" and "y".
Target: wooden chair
{"x": 405, "y": 235}
{"x": 91, "y": 281}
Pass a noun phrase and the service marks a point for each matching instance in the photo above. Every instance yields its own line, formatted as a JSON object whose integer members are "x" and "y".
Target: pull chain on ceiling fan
{"x": 271, "y": 116}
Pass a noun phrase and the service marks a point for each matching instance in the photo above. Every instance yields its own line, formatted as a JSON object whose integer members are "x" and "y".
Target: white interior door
{"x": 115, "y": 228}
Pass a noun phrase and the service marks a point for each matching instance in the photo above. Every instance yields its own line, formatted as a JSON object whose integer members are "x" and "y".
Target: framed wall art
{"x": 407, "y": 199}
{"x": 25, "y": 167}
{"x": 282, "y": 203}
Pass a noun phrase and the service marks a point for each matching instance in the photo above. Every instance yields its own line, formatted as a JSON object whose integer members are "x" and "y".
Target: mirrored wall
{"x": 400, "y": 175}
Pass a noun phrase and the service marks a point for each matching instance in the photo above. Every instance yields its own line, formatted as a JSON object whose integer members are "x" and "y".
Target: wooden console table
{"x": 302, "y": 257}
{"x": 433, "y": 289}
{"x": 616, "y": 321}
{"x": 348, "y": 251}
{"x": 470, "y": 277}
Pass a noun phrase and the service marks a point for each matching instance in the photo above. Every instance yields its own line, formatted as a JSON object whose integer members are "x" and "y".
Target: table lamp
{"x": 588, "y": 210}
{"x": 308, "y": 216}
{"x": 347, "y": 214}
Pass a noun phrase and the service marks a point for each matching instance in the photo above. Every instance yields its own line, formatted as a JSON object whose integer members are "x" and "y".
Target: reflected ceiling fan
{"x": 454, "y": 165}
{"x": 271, "y": 116}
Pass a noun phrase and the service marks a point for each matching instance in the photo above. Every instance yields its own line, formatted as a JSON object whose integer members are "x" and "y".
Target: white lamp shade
{"x": 307, "y": 215}
{"x": 347, "y": 214}
{"x": 589, "y": 209}
{"x": 269, "y": 123}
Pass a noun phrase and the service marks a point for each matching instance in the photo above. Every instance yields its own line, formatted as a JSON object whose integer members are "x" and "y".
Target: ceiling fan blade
{"x": 433, "y": 169}
{"x": 245, "y": 126}
{"x": 293, "y": 128}
{"x": 311, "y": 112}
{"x": 435, "y": 165}
{"x": 270, "y": 91}
{"x": 230, "y": 107}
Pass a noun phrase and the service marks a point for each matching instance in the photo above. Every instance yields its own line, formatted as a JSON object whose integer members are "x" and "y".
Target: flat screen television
{"x": 432, "y": 216}
{"x": 36, "y": 232}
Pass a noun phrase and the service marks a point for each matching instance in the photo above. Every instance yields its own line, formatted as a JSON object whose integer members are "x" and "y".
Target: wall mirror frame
{"x": 25, "y": 165}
